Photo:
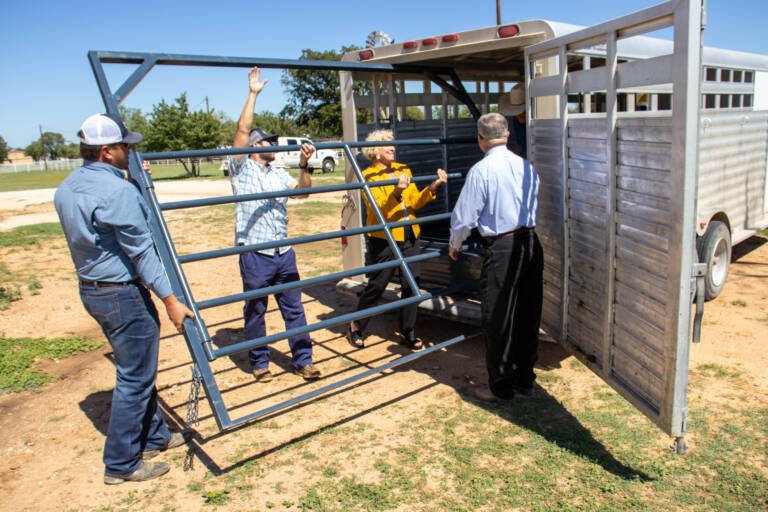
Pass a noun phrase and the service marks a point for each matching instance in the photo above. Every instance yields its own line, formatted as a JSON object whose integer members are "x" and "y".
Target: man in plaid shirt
{"x": 266, "y": 220}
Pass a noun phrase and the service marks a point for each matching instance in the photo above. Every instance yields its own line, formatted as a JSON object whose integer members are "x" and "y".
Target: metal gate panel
{"x": 200, "y": 343}
{"x": 627, "y": 193}
{"x": 588, "y": 246}
{"x": 545, "y": 152}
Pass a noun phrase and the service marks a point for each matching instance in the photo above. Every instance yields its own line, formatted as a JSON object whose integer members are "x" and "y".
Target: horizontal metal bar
{"x": 240, "y": 249}
{"x": 246, "y": 150}
{"x": 349, "y": 380}
{"x": 639, "y": 73}
{"x": 330, "y": 322}
{"x": 269, "y": 290}
{"x": 645, "y": 18}
{"x": 341, "y": 319}
{"x": 171, "y": 59}
{"x": 212, "y": 201}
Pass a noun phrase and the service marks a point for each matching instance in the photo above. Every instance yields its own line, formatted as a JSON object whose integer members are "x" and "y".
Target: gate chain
{"x": 192, "y": 411}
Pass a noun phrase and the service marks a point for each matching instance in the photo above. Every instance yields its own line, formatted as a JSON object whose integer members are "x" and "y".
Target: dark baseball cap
{"x": 258, "y": 135}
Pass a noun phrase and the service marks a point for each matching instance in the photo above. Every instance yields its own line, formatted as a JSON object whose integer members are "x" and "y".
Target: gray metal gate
{"x": 618, "y": 206}
{"x": 195, "y": 331}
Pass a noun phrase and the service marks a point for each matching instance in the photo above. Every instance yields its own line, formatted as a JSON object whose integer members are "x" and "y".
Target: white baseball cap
{"x": 512, "y": 103}
{"x": 105, "y": 129}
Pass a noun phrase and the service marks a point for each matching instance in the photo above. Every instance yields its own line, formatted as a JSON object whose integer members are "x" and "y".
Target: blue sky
{"x": 47, "y": 81}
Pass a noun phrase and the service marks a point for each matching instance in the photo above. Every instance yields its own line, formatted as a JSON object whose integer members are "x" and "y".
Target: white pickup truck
{"x": 325, "y": 159}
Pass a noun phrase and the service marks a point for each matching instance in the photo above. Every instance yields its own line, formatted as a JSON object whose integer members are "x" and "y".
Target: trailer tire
{"x": 715, "y": 251}
{"x": 328, "y": 165}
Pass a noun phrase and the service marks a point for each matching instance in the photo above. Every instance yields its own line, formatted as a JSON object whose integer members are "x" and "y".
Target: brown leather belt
{"x": 519, "y": 231}
{"x": 107, "y": 284}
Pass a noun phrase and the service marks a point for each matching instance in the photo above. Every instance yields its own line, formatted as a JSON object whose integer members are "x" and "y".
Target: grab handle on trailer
{"x": 698, "y": 282}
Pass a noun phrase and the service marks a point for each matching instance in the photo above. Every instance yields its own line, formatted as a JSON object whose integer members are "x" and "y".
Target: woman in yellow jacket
{"x": 397, "y": 202}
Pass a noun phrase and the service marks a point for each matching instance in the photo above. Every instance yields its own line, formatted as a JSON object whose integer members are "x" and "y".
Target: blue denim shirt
{"x": 106, "y": 225}
{"x": 499, "y": 195}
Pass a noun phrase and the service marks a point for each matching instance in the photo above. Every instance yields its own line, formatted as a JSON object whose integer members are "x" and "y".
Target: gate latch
{"x": 697, "y": 288}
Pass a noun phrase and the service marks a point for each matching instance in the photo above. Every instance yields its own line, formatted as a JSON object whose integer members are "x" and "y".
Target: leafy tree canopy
{"x": 48, "y": 146}
{"x": 175, "y": 127}
{"x": 3, "y": 149}
{"x": 315, "y": 94}
{"x": 275, "y": 123}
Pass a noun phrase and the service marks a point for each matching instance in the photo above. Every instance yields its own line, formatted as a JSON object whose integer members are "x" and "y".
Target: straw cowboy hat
{"x": 512, "y": 103}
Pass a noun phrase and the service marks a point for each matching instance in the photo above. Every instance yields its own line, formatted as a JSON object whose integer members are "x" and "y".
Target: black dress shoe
{"x": 355, "y": 338}
{"x": 412, "y": 341}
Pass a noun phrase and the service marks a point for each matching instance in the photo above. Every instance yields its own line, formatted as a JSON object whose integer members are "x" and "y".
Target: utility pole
{"x": 45, "y": 155}
{"x": 498, "y": 12}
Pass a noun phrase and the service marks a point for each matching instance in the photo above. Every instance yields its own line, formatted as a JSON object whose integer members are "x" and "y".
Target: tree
{"x": 135, "y": 122}
{"x": 276, "y": 124}
{"x": 47, "y": 147}
{"x": 173, "y": 127}
{"x": 70, "y": 150}
{"x": 315, "y": 101}
{"x": 3, "y": 149}
{"x": 35, "y": 150}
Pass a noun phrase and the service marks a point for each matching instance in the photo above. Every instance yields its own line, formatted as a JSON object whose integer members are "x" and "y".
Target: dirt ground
{"x": 51, "y": 443}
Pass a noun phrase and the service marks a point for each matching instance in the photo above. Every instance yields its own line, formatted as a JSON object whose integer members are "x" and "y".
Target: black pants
{"x": 379, "y": 251}
{"x": 511, "y": 311}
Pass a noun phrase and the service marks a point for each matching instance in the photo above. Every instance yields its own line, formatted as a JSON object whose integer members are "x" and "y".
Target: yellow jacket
{"x": 412, "y": 199}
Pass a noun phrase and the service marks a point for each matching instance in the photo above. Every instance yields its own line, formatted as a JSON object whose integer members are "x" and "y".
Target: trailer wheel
{"x": 329, "y": 165}
{"x": 715, "y": 251}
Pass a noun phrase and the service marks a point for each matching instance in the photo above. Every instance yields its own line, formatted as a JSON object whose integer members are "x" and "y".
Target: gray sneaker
{"x": 145, "y": 471}
{"x": 177, "y": 439}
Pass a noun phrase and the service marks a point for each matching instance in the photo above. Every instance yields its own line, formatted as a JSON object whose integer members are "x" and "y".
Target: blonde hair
{"x": 372, "y": 152}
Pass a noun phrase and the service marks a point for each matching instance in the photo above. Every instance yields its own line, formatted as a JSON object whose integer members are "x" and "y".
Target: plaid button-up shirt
{"x": 264, "y": 220}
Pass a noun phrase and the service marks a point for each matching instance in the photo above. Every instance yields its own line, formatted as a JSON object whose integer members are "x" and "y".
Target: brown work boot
{"x": 309, "y": 372}
{"x": 262, "y": 375}
{"x": 145, "y": 471}
{"x": 177, "y": 439}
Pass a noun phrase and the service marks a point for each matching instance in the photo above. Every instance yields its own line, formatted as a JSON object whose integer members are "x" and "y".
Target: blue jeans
{"x": 130, "y": 322}
{"x": 259, "y": 271}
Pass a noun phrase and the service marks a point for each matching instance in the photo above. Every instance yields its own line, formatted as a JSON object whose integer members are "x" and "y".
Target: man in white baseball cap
{"x": 106, "y": 224}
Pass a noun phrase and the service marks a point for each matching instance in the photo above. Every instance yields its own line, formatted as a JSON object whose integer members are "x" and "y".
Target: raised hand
{"x": 254, "y": 76}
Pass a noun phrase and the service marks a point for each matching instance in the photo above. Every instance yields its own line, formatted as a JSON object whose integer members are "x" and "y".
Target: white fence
{"x": 50, "y": 165}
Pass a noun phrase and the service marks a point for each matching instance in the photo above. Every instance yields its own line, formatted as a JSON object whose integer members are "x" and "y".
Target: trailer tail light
{"x": 365, "y": 54}
{"x": 430, "y": 41}
{"x": 450, "y": 38}
{"x": 508, "y": 31}
{"x": 410, "y": 45}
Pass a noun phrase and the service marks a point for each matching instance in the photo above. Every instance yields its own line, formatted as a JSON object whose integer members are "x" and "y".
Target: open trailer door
{"x": 617, "y": 204}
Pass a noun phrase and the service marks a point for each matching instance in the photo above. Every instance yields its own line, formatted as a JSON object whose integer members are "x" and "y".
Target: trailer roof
{"x": 476, "y": 51}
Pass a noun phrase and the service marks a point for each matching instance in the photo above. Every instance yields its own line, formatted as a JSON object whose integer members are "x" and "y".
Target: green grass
{"x": 19, "y": 355}
{"x": 175, "y": 171}
{"x": 539, "y": 455}
{"x": 31, "y": 180}
{"x": 30, "y": 235}
{"x": 25, "y": 237}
